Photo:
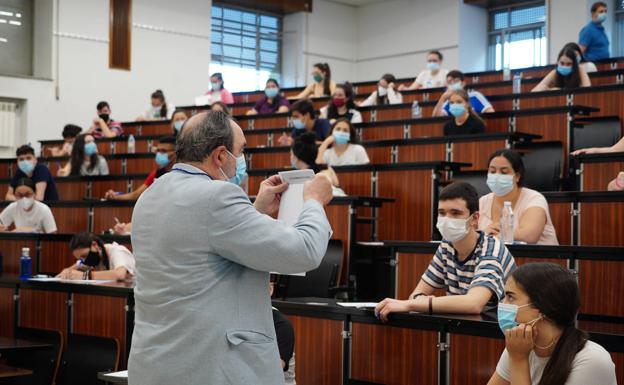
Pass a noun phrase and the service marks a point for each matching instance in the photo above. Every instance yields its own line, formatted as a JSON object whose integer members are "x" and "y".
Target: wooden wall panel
{"x": 544, "y": 101}
{"x": 259, "y": 139}
{"x": 476, "y": 153}
{"x": 562, "y": 221}
{"x": 474, "y": 359}
{"x": 55, "y": 256}
{"x": 140, "y": 165}
{"x": 411, "y": 267}
{"x": 11, "y": 250}
{"x": 380, "y": 154}
{"x": 520, "y": 260}
{"x": 431, "y": 129}
{"x": 7, "y": 311}
{"x": 496, "y": 124}
{"x": 163, "y": 128}
{"x": 596, "y": 176}
{"x": 99, "y": 188}
{"x": 356, "y": 183}
{"x": 71, "y": 219}
{"x": 140, "y": 145}
{"x": 393, "y": 356}
{"x": 270, "y": 160}
{"x": 422, "y": 153}
{"x": 114, "y": 167}
{"x": 102, "y": 316}
{"x": 551, "y": 126}
{"x": 43, "y": 309}
{"x": 409, "y": 217}
{"x": 120, "y": 34}
{"x": 381, "y": 133}
{"x": 398, "y": 113}
{"x": 602, "y": 224}
{"x": 273, "y": 122}
{"x": 103, "y": 217}
{"x": 609, "y": 102}
{"x": 4, "y": 169}
{"x": 599, "y": 281}
{"x": 318, "y": 350}
{"x": 71, "y": 191}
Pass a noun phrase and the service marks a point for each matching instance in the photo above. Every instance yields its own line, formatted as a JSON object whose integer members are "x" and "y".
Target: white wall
{"x": 173, "y": 62}
{"x": 473, "y": 28}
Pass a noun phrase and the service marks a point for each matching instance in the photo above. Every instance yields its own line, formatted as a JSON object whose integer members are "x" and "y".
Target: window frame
{"x": 618, "y": 29}
{"x": 507, "y": 31}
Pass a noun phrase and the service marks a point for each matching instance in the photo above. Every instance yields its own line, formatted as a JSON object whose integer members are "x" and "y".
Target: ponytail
{"x": 327, "y": 80}
{"x": 559, "y": 366}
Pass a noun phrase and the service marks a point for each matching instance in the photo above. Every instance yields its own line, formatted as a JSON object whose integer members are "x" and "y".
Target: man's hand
{"x": 318, "y": 189}
{"x": 269, "y": 195}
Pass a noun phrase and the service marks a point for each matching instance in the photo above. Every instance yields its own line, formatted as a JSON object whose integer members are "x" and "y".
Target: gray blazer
{"x": 203, "y": 312}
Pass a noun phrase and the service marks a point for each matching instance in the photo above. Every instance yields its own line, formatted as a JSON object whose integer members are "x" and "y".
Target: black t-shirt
{"x": 40, "y": 174}
{"x": 285, "y": 337}
{"x": 321, "y": 129}
{"x": 471, "y": 126}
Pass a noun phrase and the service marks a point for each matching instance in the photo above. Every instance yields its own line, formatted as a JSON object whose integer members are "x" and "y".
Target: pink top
{"x": 224, "y": 96}
{"x": 528, "y": 198}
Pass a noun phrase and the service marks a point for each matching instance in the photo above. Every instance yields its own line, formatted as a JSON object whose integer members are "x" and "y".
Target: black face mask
{"x": 92, "y": 259}
{"x": 104, "y": 117}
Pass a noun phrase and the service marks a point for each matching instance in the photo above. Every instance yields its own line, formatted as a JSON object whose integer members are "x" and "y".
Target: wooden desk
{"x": 594, "y": 172}
{"x": 11, "y": 344}
{"x": 11, "y": 372}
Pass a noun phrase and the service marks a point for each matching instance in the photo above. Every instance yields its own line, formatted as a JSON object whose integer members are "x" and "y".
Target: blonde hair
{"x": 464, "y": 95}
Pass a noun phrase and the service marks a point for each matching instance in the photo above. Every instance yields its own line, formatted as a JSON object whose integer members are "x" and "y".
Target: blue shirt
{"x": 40, "y": 174}
{"x": 593, "y": 37}
{"x": 321, "y": 128}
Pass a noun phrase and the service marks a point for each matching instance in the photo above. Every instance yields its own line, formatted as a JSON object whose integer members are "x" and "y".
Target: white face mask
{"x": 452, "y": 229}
{"x": 25, "y": 203}
{"x": 382, "y": 91}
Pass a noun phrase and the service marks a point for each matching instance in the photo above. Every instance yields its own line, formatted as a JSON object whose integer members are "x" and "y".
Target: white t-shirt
{"x": 354, "y": 155}
{"x": 118, "y": 256}
{"x": 592, "y": 365}
{"x": 427, "y": 80}
{"x": 39, "y": 218}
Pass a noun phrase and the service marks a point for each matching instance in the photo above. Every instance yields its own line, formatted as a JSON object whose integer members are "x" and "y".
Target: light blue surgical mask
{"x": 500, "y": 184}
{"x": 341, "y": 137}
{"x": 293, "y": 163}
{"x": 457, "y": 109}
{"x": 602, "y": 17}
{"x": 162, "y": 159}
{"x": 563, "y": 70}
{"x": 298, "y": 123}
{"x": 579, "y": 59}
{"x": 507, "y": 314}
{"x": 215, "y": 86}
{"x": 178, "y": 125}
{"x": 241, "y": 169}
{"x": 26, "y": 166}
{"x": 433, "y": 66}
{"x": 90, "y": 148}
{"x": 455, "y": 86}
{"x": 271, "y": 92}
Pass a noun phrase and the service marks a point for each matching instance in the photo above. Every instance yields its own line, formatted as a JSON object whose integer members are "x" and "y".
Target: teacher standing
{"x": 203, "y": 253}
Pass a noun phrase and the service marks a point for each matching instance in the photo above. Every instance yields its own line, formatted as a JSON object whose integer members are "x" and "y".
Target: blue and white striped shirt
{"x": 489, "y": 265}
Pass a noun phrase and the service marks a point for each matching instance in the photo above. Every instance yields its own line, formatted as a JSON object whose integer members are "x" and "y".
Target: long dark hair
{"x": 76, "y": 158}
{"x": 354, "y": 137}
{"x": 516, "y": 162}
{"x": 158, "y": 94}
{"x": 324, "y": 68}
{"x": 464, "y": 95}
{"x": 84, "y": 240}
{"x": 553, "y": 290}
{"x": 576, "y": 48}
{"x": 574, "y": 79}
{"x": 381, "y": 100}
{"x": 332, "y": 110}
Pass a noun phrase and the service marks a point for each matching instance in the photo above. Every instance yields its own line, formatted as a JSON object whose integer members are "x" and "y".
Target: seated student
{"x": 217, "y": 92}
{"x": 103, "y": 125}
{"x": 27, "y": 214}
{"x": 177, "y": 121}
{"x": 304, "y": 119}
{"x": 470, "y": 265}
{"x": 220, "y": 106}
{"x": 542, "y": 343}
{"x": 616, "y": 184}
{"x": 465, "y": 120}
{"x": 593, "y": 40}
{"x": 70, "y": 132}
{"x": 532, "y": 222}
{"x": 432, "y": 77}
{"x": 272, "y": 102}
{"x": 303, "y": 155}
{"x": 85, "y": 160}
{"x": 28, "y": 167}
{"x": 345, "y": 149}
{"x": 159, "y": 108}
{"x": 322, "y": 85}
{"x": 342, "y": 105}
{"x": 386, "y": 93}
{"x": 285, "y": 336}
{"x": 97, "y": 260}
{"x": 568, "y": 74}
{"x": 455, "y": 81}
{"x": 586, "y": 65}
{"x": 165, "y": 159}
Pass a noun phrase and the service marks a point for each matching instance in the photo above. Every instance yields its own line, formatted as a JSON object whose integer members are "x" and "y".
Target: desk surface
{"x": 7, "y": 344}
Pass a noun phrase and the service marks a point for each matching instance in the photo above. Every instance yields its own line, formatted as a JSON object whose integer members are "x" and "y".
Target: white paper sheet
{"x": 203, "y": 100}
{"x": 122, "y": 374}
{"x": 45, "y": 279}
{"x": 357, "y": 304}
{"x": 291, "y": 202}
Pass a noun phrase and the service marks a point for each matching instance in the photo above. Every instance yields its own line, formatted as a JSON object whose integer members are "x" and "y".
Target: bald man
{"x": 203, "y": 253}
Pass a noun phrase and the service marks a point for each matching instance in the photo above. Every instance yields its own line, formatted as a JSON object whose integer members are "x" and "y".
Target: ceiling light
{"x": 18, "y": 15}
{"x": 15, "y": 22}
{"x": 3, "y": 40}
{"x": 3, "y": 21}
{"x": 3, "y": 13}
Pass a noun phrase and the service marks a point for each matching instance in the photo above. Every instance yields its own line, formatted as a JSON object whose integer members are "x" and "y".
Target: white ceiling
{"x": 358, "y": 3}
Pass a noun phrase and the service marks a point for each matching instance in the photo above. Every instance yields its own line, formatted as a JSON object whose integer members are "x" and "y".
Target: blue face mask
{"x": 602, "y": 17}
{"x": 271, "y": 92}
{"x": 564, "y": 71}
{"x": 241, "y": 170}
{"x": 433, "y": 66}
{"x": 90, "y": 148}
{"x": 507, "y": 314}
{"x": 215, "y": 86}
{"x": 457, "y": 109}
{"x": 500, "y": 184}
{"x": 178, "y": 125}
{"x": 455, "y": 86}
{"x": 293, "y": 163}
{"x": 342, "y": 137}
{"x": 26, "y": 166}
{"x": 298, "y": 123}
{"x": 162, "y": 159}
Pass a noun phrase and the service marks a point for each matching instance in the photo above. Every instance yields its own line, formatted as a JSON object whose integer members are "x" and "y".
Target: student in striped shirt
{"x": 469, "y": 265}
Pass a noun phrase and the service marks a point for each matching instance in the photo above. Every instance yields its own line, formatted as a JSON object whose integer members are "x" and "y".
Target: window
{"x": 246, "y": 47}
{"x": 517, "y": 37}
{"x": 16, "y": 37}
{"x": 618, "y": 41}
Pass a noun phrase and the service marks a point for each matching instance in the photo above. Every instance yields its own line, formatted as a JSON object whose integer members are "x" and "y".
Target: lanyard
{"x": 191, "y": 173}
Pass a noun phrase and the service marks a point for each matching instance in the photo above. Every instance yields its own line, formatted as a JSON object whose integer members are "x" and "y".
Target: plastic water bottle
{"x": 131, "y": 144}
{"x": 416, "y": 110}
{"x": 25, "y": 264}
{"x": 506, "y": 74}
{"x": 517, "y": 83}
{"x": 507, "y": 223}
